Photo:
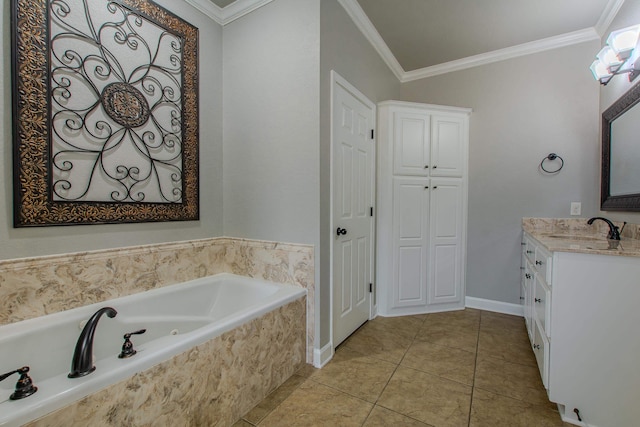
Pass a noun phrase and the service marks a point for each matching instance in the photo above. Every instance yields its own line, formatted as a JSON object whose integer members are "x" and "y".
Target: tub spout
{"x": 82, "y": 363}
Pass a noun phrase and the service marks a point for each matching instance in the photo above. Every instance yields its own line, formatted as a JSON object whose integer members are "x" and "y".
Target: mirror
{"x": 620, "y": 189}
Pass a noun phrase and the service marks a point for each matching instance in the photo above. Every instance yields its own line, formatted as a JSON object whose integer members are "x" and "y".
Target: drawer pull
{"x": 538, "y": 299}
{"x": 538, "y": 262}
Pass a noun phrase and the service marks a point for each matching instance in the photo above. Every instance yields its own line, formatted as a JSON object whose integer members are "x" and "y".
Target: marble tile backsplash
{"x": 33, "y": 287}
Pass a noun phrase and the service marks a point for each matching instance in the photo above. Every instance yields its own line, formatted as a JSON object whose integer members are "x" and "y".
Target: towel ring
{"x": 552, "y": 156}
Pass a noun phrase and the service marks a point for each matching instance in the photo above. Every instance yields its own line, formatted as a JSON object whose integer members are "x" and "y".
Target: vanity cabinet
{"x": 582, "y": 318}
{"x": 421, "y": 199}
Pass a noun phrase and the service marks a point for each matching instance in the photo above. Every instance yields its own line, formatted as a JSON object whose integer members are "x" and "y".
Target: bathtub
{"x": 176, "y": 319}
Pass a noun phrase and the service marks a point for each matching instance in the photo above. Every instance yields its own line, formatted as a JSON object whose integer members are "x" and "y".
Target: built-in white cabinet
{"x": 428, "y": 144}
{"x": 581, "y": 312}
{"x": 421, "y": 205}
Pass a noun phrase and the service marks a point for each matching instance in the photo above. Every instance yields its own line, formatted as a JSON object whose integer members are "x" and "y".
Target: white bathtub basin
{"x": 176, "y": 318}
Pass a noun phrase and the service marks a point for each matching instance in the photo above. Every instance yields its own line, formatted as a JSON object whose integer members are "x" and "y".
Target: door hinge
{"x": 371, "y": 211}
{"x": 373, "y": 134}
{"x": 370, "y": 287}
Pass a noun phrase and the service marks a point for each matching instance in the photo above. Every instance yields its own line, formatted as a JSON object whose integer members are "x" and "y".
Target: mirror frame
{"x": 627, "y": 202}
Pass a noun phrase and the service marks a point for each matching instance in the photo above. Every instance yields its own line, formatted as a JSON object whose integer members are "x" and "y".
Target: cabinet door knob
{"x": 538, "y": 299}
{"x": 426, "y": 187}
{"x": 538, "y": 262}
{"x": 529, "y": 252}
{"x": 435, "y": 166}
{"x": 341, "y": 231}
{"x": 536, "y": 347}
{"x": 435, "y": 186}
{"x": 426, "y": 166}
{"x": 528, "y": 276}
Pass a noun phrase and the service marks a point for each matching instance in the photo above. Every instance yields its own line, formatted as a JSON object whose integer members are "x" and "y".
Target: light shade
{"x": 600, "y": 70}
{"x": 609, "y": 58}
{"x": 623, "y": 41}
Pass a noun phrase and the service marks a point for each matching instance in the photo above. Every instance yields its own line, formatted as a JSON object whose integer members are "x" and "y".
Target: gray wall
{"x": 629, "y": 15}
{"x": 271, "y": 123}
{"x": 17, "y": 243}
{"x": 344, "y": 49}
{"x": 523, "y": 109}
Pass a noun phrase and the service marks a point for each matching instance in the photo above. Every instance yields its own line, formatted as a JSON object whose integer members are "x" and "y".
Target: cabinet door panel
{"x": 542, "y": 304}
{"x": 447, "y": 146}
{"x": 411, "y": 145}
{"x": 411, "y": 236}
{"x": 446, "y": 241}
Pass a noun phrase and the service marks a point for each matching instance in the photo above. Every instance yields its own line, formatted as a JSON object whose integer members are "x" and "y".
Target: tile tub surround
{"x": 212, "y": 384}
{"x": 33, "y": 287}
{"x": 575, "y": 235}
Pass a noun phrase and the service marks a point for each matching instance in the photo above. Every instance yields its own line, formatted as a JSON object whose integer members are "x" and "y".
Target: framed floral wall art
{"x": 105, "y": 113}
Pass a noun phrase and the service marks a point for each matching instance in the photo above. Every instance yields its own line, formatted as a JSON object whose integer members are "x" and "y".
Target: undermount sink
{"x": 572, "y": 237}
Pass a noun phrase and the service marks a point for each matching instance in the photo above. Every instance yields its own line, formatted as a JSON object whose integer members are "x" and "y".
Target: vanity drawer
{"x": 542, "y": 263}
{"x": 541, "y": 351}
{"x": 529, "y": 249}
{"x": 542, "y": 305}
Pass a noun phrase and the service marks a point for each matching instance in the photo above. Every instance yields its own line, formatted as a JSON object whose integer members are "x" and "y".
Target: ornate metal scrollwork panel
{"x": 105, "y": 113}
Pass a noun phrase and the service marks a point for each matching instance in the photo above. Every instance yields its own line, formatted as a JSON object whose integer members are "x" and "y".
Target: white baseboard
{"x": 497, "y": 306}
{"x": 322, "y": 356}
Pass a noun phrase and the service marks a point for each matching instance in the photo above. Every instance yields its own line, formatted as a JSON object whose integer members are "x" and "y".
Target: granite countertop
{"x": 574, "y": 235}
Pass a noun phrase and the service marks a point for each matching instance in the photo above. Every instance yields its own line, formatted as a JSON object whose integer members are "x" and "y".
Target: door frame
{"x": 338, "y": 80}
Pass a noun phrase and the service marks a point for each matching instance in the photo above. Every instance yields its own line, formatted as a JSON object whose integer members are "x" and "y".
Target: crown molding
{"x": 607, "y": 17}
{"x": 542, "y": 45}
{"x": 363, "y": 23}
{"x": 226, "y": 15}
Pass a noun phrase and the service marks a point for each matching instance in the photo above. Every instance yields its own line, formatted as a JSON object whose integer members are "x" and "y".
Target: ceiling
{"x": 423, "y": 33}
{"x": 421, "y": 38}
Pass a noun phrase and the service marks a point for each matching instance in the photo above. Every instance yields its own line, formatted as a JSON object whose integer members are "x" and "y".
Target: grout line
{"x": 475, "y": 368}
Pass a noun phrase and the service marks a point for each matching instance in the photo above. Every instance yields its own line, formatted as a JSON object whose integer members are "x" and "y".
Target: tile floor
{"x": 463, "y": 368}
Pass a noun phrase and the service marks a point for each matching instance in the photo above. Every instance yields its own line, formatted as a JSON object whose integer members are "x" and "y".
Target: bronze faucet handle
{"x": 127, "y": 346}
{"x": 24, "y": 386}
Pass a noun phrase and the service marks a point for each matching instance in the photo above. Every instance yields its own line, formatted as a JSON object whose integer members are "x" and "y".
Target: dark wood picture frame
{"x": 34, "y": 201}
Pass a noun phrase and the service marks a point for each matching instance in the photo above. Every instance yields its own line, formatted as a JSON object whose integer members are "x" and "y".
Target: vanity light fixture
{"x": 618, "y": 56}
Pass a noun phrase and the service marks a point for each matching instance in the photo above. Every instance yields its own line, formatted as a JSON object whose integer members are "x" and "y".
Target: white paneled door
{"x": 353, "y": 166}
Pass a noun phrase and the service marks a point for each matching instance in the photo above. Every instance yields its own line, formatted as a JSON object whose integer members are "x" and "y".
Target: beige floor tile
{"x": 446, "y": 362}
{"x": 354, "y": 373}
{"x": 406, "y": 326}
{"x": 314, "y": 404}
{"x": 274, "y": 399}
{"x": 379, "y": 343}
{"x": 466, "y": 314}
{"x": 511, "y": 346}
{"x": 511, "y": 379}
{"x": 306, "y": 371}
{"x": 428, "y": 398}
{"x": 489, "y": 409}
{"x": 242, "y": 423}
{"x": 449, "y": 336}
{"x": 502, "y": 322}
{"x": 382, "y": 417}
